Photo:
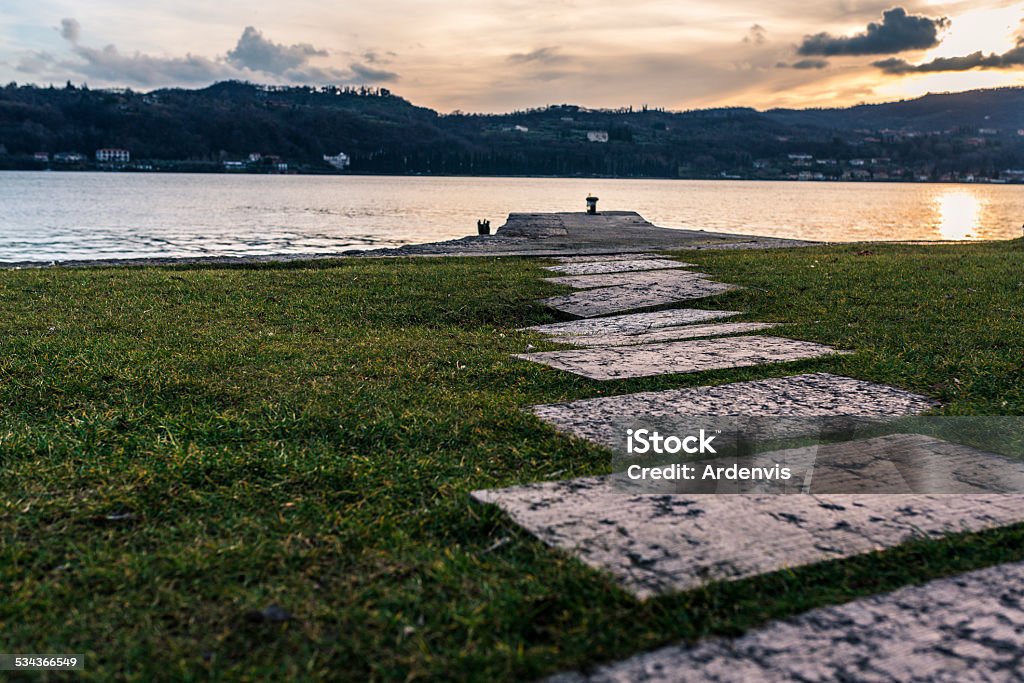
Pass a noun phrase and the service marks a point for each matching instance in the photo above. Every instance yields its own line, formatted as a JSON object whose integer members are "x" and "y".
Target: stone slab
{"x": 964, "y": 628}
{"x": 594, "y": 302}
{"x": 605, "y": 257}
{"x": 907, "y": 463}
{"x": 622, "y": 362}
{"x": 664, "y": 334}
{"x": 657, "y": 544}
{"x": 632, "y": 323}
{"x": 803, "y": 396}
{"x": 638, "y": 278}
{"x": 597, "y": 267}
{"x": 900, "y": 463}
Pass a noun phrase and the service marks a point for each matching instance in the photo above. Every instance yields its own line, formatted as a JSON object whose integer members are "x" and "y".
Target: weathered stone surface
{"x": 598, "y": 267}
{"x": 893, "y": 463}
{"x": 595, "y": 302}
{"x": 663, "y": 543}
{"x": 632, "y": 323}
{"x": 906, "y": 463}
{"x": 605, "y": 257}
{"x": 964, "y": 628}
{"x": 664, "y": 334}
{"x": 809, "y": 395}
{"x": 644, "y": 278}
{"x": 621, "y": 362}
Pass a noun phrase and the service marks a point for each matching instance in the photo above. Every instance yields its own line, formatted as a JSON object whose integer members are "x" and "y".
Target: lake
{"x": 58, "y": 216}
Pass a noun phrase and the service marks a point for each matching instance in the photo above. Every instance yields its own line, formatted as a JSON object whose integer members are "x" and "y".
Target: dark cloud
{"x": 70, "y": 29}
{"x": 976, "y": 60}
{"x": 369, "y": 74}
{"x": 898, "y": 32}
{"x": 254, "y": 57}
{"x": 757, "y": 35}
{"x": 804, "y": 64}
{"x": 545, "y": 55}
{"x": 376, "y": 57}
{"x": 108, "y": 64}
{"x": 257, "y": 53}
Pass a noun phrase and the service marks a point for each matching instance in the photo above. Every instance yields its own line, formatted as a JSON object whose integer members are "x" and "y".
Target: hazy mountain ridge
{"x": 996, "y": 108}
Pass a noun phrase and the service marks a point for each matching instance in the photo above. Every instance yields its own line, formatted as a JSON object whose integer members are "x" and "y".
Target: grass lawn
{"x": 184, "y": 447}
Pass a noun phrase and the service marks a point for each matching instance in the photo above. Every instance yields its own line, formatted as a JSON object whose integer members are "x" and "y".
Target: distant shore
{"x": 322, "y": 173}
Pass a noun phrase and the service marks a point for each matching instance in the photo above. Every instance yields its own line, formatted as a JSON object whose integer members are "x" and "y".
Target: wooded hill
{"x": 976, "y": 133}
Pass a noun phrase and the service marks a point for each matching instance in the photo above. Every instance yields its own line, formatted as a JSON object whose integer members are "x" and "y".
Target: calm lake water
{"x": 57, "y": 216}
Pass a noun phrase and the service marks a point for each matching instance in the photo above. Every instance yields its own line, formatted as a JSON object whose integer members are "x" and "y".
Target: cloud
{"x": 35, "y": 62}
{"x": 70, "y": 29}
{"x": 254, "y": 57}
{"x": 109, "y": 64}
{"x": 369, "y": 74}
{"x": 757, "y": 35}
{"x": 898, "y": 32}
{"x": 976, "y": 60}
{"x": 804, "y": 64}
{"x": 545, "y": 55}
{"x": 257, "y": 53}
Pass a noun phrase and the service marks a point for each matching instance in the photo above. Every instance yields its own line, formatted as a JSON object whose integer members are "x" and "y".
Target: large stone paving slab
{"x": 904, "y": 463}
{"x": 664, "y": 334}
{"x": 632, "y": 323}
{"x": 605, "y": 257}
{"x": 964, "y": 628}
{"x": 596, "y": 267}
{"x": 899, "y": 463}
{"x": 654, "y": 544}
{"x": 802, "y": 396}
{"x": 606, "y": 300}
{"x": 644, "y": 278}
{"x": 622, "y": 362}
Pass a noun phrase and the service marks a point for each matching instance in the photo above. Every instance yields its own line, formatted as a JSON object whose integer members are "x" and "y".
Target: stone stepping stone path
{"x": 644, "y": 278}
{"x": 632, "y": 323}
{"x": 803, "y": 396}
{"x": 657, "y": 544}
{"x": 676, "y": 541}
{"x": 606, "y": 300}
{"x": 969, "y": 627}
{"x": 665, "y": 334}
{"x": 623, "y": 362}
{"x": 613, "y": 266}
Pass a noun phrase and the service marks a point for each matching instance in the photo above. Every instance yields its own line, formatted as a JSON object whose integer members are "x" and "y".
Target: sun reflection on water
{"x": 959, "y": 214}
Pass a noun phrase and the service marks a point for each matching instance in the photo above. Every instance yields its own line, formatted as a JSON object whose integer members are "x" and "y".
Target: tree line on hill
{"x": 977, "y": 134}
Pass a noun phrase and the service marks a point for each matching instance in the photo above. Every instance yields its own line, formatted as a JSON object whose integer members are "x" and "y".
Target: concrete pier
{"x": 575, "y": 233}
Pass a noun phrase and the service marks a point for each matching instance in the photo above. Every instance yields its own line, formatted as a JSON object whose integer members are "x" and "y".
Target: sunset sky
{"x": 509, "y": 54}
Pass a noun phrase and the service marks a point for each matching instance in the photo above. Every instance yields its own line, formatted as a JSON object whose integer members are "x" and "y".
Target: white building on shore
{"x": 339, "y": 161}
{"x": 113, "y": 155}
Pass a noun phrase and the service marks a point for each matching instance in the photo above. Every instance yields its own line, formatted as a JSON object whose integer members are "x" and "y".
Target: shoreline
{"x": 426, "y": 250}
{"x": 885, "y": 181}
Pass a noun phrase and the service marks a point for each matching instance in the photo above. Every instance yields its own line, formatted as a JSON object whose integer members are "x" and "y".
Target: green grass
{"x": 181, "y": 446}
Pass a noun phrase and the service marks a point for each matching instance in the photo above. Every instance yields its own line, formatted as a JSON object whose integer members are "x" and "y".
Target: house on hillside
{"x": 340, "y": 161}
